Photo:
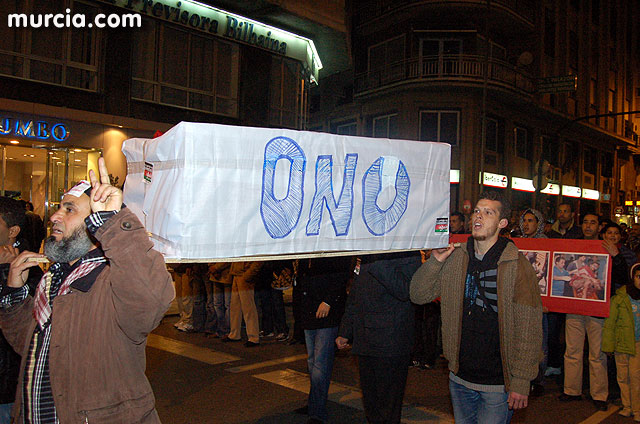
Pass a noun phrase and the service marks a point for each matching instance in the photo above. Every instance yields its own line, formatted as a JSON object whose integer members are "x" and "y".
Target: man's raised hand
{"x": 441, "y": 255}
{"x": 104, "y": 196}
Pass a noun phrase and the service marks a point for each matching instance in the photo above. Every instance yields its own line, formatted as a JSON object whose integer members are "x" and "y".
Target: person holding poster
{"x": 107, "y": 289}
{"x": 577, "y": 326}
{"x": 492, "y": 356}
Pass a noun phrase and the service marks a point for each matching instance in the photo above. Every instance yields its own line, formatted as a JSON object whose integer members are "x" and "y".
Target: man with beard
{"x": 107, "y": 289}
{"x": 491, "y": 316}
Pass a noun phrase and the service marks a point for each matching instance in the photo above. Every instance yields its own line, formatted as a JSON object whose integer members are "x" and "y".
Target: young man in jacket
{"x": 107, "y": 289}
{"x": 323, "y": 292}
{"x": 492, "y": 356}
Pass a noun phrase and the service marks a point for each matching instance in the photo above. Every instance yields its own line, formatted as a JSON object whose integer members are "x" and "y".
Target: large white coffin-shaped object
{"x": 208, "y": 191}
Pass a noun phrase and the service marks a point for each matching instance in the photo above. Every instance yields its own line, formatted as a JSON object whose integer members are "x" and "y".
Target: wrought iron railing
{"x": 464, "y": 68}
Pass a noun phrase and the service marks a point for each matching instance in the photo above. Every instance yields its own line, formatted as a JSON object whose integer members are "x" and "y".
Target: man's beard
{"x": 69, "y": 248}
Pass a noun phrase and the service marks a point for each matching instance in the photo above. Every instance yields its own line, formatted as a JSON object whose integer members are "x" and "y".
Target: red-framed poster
{"x": 574, "y": 276}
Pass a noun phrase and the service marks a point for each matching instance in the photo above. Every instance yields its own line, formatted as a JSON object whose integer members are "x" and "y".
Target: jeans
{"x": 221, "y": 304}
{"x": 5, "y": 413}
{"x": 211, "y": 321}
{"x": 320, "y": 349}
{"x": 475, "y": 407}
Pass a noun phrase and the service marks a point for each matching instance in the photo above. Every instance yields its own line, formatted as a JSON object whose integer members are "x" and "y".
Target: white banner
{"x": 207, "y": 191}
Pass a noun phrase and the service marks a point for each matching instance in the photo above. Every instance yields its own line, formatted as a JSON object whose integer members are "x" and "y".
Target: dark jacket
{"x": 99, "y": 331}
{"x": 322, "y": 280}
{"x": 9, "y": 359}
{"x": 378, "y": 319}
{"x": 574, "y": 232}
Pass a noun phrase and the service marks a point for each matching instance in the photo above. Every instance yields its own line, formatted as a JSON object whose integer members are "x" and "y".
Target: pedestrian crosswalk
{"x": 188, "y": 350}
{"x": 350, "y": 396}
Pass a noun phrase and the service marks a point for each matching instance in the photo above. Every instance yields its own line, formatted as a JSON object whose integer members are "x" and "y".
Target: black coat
{"x": 322, "y": 280}
{"x": 378, "y": 320}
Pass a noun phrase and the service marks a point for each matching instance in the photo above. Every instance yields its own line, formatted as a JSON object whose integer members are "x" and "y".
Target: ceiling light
{"x": 50, "y": 153}
{"x": 11, "y": 158}
{"x": 77, "y": 150}
{"x": 14, "y": 142}
{"x": 77, "y": 160}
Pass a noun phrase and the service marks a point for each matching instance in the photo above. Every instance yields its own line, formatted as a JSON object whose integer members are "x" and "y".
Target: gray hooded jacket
{"x": 540, "y": 230}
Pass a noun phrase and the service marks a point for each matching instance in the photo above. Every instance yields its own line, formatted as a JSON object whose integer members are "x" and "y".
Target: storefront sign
{"x": 495, "y": 180}
{"x": 211, "y": 20}
{"x": 454, "y": 176}
{"x": 628, "y": 202}
{"x": 41, "y": 130}
{"x": 522, "y": 184}
{"x": 571, "y": 191}
{"x": 590, "y": 194}
{"x": 553, "y": 189}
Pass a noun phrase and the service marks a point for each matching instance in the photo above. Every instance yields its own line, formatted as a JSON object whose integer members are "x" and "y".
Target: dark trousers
{"x": 382, "y": 380}
{"x": 555, "y": 339}
{"x": 427, "y": 323}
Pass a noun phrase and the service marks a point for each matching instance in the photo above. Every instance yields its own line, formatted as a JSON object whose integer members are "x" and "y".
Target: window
{"x": 350, "y": 128}
{"x": 549, "y": 32}
{"x": 492, "y": 138}
{"x": 573, "y": 52}
{"x": 607, "y": 165}
{"x": 551, "y": 150}
{"x": 590, "y": 160}
{"x": 285, "y": 93}
{"x": 185, "y": 69}
{"x": 523, "y": 145}
{"x": 440, "y": 125}
{"x": 386, "y": 53}
{"x": 386, "y": 126}
{"x": 61, "y": 56}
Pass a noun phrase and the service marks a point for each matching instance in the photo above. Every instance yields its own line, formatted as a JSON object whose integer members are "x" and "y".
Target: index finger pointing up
{"x": 104, "y": 174}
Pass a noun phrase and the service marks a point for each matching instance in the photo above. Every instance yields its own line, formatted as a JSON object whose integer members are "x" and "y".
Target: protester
{"x": 12, "y": 218}
{"x": 220, "y": 280}
{"x": 283, "y": 276}
{"x": 184, "y": 297}
{"x": 107, "y": 290}
{"x": 456, "y": 223}
{"x": 565, "y": 226}
{"x": 323, "y": 282}
{"x": 378, "y": 321}
{"x": 427, "y": 326}
{"x": 243, "y": 304}
{"x": 34, "y": 229}
{"x": 532, "y": 226}
{"x": 621, "y": 335}
{"x": 576, "y": 328}
{"x": 492, "y": 357}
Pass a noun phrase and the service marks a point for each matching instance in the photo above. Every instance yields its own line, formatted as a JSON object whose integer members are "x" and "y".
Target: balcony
{"x": 456, "y": 69}
{"x": 504, "y": 12}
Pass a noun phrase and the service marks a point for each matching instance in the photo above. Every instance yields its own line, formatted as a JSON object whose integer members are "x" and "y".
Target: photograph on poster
{"x": 540, "y": 262}
{"x": 580, "y": 276}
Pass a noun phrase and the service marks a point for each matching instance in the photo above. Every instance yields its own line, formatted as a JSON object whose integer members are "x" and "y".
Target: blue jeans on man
{"x": 478, "y": 407}
{"x": 320, "y": 350}
{"x": 221, "y": 304}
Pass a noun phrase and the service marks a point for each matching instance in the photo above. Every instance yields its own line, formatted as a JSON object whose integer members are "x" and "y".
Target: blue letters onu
{"x": 281, "y": 216}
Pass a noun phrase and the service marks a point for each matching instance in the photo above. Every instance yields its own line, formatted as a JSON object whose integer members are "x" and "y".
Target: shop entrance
{"x": 41, "y": 175}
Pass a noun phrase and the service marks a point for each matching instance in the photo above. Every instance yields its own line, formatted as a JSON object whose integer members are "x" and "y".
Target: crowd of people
{"x": 477, "y": 304}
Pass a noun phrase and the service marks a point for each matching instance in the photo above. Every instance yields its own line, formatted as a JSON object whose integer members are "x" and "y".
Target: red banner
{"x": 574, "y": 276}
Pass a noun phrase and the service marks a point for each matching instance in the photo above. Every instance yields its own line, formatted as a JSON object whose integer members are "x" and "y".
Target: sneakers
{"x": 250, "y": 344}
{"x": 267, "y": 336}
{"x": 569, "y": 398}
{"x": 282, "y": 337}
{"x": 227, "y": 339}
{"x": 552, "y": 371}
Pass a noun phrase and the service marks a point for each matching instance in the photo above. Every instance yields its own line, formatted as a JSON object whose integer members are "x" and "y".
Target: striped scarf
{"x": 43, "y": 298}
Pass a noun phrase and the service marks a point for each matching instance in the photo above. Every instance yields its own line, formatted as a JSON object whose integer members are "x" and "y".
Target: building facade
{"x": 510, "y": 85}
{"x": 69, "y": 94}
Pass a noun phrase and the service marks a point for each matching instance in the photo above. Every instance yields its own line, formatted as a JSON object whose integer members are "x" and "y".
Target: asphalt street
{"x": 202, "y": 380}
